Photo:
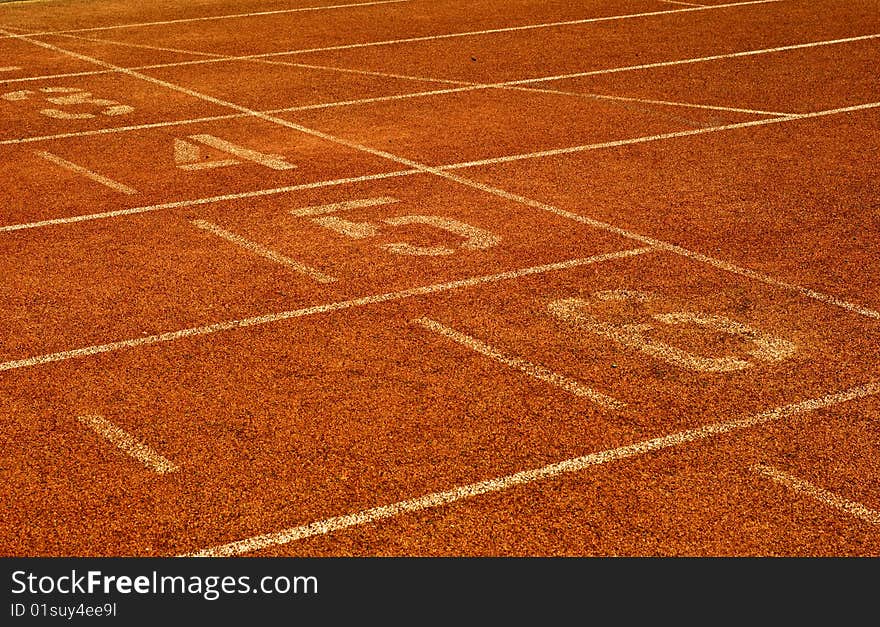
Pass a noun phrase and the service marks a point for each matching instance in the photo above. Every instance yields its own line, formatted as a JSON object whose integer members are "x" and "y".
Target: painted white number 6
{"x": 763, "y": 347}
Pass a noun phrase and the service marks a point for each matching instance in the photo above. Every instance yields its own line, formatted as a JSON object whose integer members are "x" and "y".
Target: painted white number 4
{"x": 188, "y": 155}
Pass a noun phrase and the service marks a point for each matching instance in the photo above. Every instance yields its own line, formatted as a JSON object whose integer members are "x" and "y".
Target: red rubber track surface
{"x": 439, "y": 278}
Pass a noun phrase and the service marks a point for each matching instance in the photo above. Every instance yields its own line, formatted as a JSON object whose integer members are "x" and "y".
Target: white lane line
{"x": 533, "y": 370}
{"x": 465, "y": 87}
{"x": 78, "y": 169}
{"x": 477, "y": 86}
{"x": 445, "y": 35}
{"x": 219, "y": 17}
{"x": 124, "y": 129}
{"x": 322, "y": 210}
{"x": 9, "y": 68}
{"x": 511, "y": 29}
{"x": 46, "y": 77}
{"x": 216, "y": 58}
{"x": 684, "y": 252}
{"x": 659, "y": 137}
{"x": 525, "y": 477}
{"x": 687, "y": 4}
{"x": 318, "y": 309}
{"x": 481, "y": 186}
{"x": 17, "y": 2}
{"x": 673, "y": 103}
{"x": 468, "y": 84}
{"x": 823, "y": 496}
{"x": 714, "y": 57}
{"x": 254, "y": 247}
{"x": 129, "y": 444}
{"x": 273, "y": 162}
{"x": 203, "y": 201}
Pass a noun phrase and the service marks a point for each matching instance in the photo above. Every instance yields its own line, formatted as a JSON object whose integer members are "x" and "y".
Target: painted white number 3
{"x": 576, "y": 311}
{"x": 70, "y": 97}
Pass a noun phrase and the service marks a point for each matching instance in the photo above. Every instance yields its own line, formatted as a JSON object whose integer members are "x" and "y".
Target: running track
{"x": 440, "y": 277}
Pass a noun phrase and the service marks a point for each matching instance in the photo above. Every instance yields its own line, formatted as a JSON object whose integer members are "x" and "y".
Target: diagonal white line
{"x": 464, "y": 87}
{"x": 202, "y": 201}
{"x": 662, "y": 136}
{"x": 823, "y": 496}
{"x": 218, "y": 58}
{"x": 216, "y": 17}
{"x": 475, "y": 184}
{"x": 78, "y": 169}
{"x": 466, "y": 84}
{"x": 315, "y": 310}
{"x": 533, "y": 370}
{"x": 129, "y": 444}
{"x": 427, "y": 37}
{"x": 577, "y": 464}
{"x": 262, "y": 251}
{"x": 687, "y": 4}
{"x": 714, "y": 57}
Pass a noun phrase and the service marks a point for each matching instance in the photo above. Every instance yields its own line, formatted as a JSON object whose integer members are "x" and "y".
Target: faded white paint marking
{"x": 207, "y": 165}
{"x": 577, "y": 464}
{"x": 10, "y": 68}
{"x": 129, "y": 444}
{"x": 45, "y": 77}
{"x": 322, "y": 210}
{"x": 354, "y": 230}
{"x": 15, "y": 96}
{"x": 475, "y": 238}
{"x": 78, "y": 96}
{"x": 533, "y": 370}
{"x": 103, "y": 180}
{"x": 274, "y": 162}
{"x": 764, "y": 347}
{"x": 312, "y": 273}
{"x": 187, "y": 156}
{"x": 576, "y": 312}
{"x": 318, "y": 309}
{"x": 823, "y": 496}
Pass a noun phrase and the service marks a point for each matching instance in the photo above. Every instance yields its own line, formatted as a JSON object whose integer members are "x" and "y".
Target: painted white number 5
{"x": 576, "y": 311}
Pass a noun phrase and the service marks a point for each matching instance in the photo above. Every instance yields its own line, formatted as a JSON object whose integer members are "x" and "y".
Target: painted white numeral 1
{"x": 576, "y": 311}
{"x": 474, "y": 238}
